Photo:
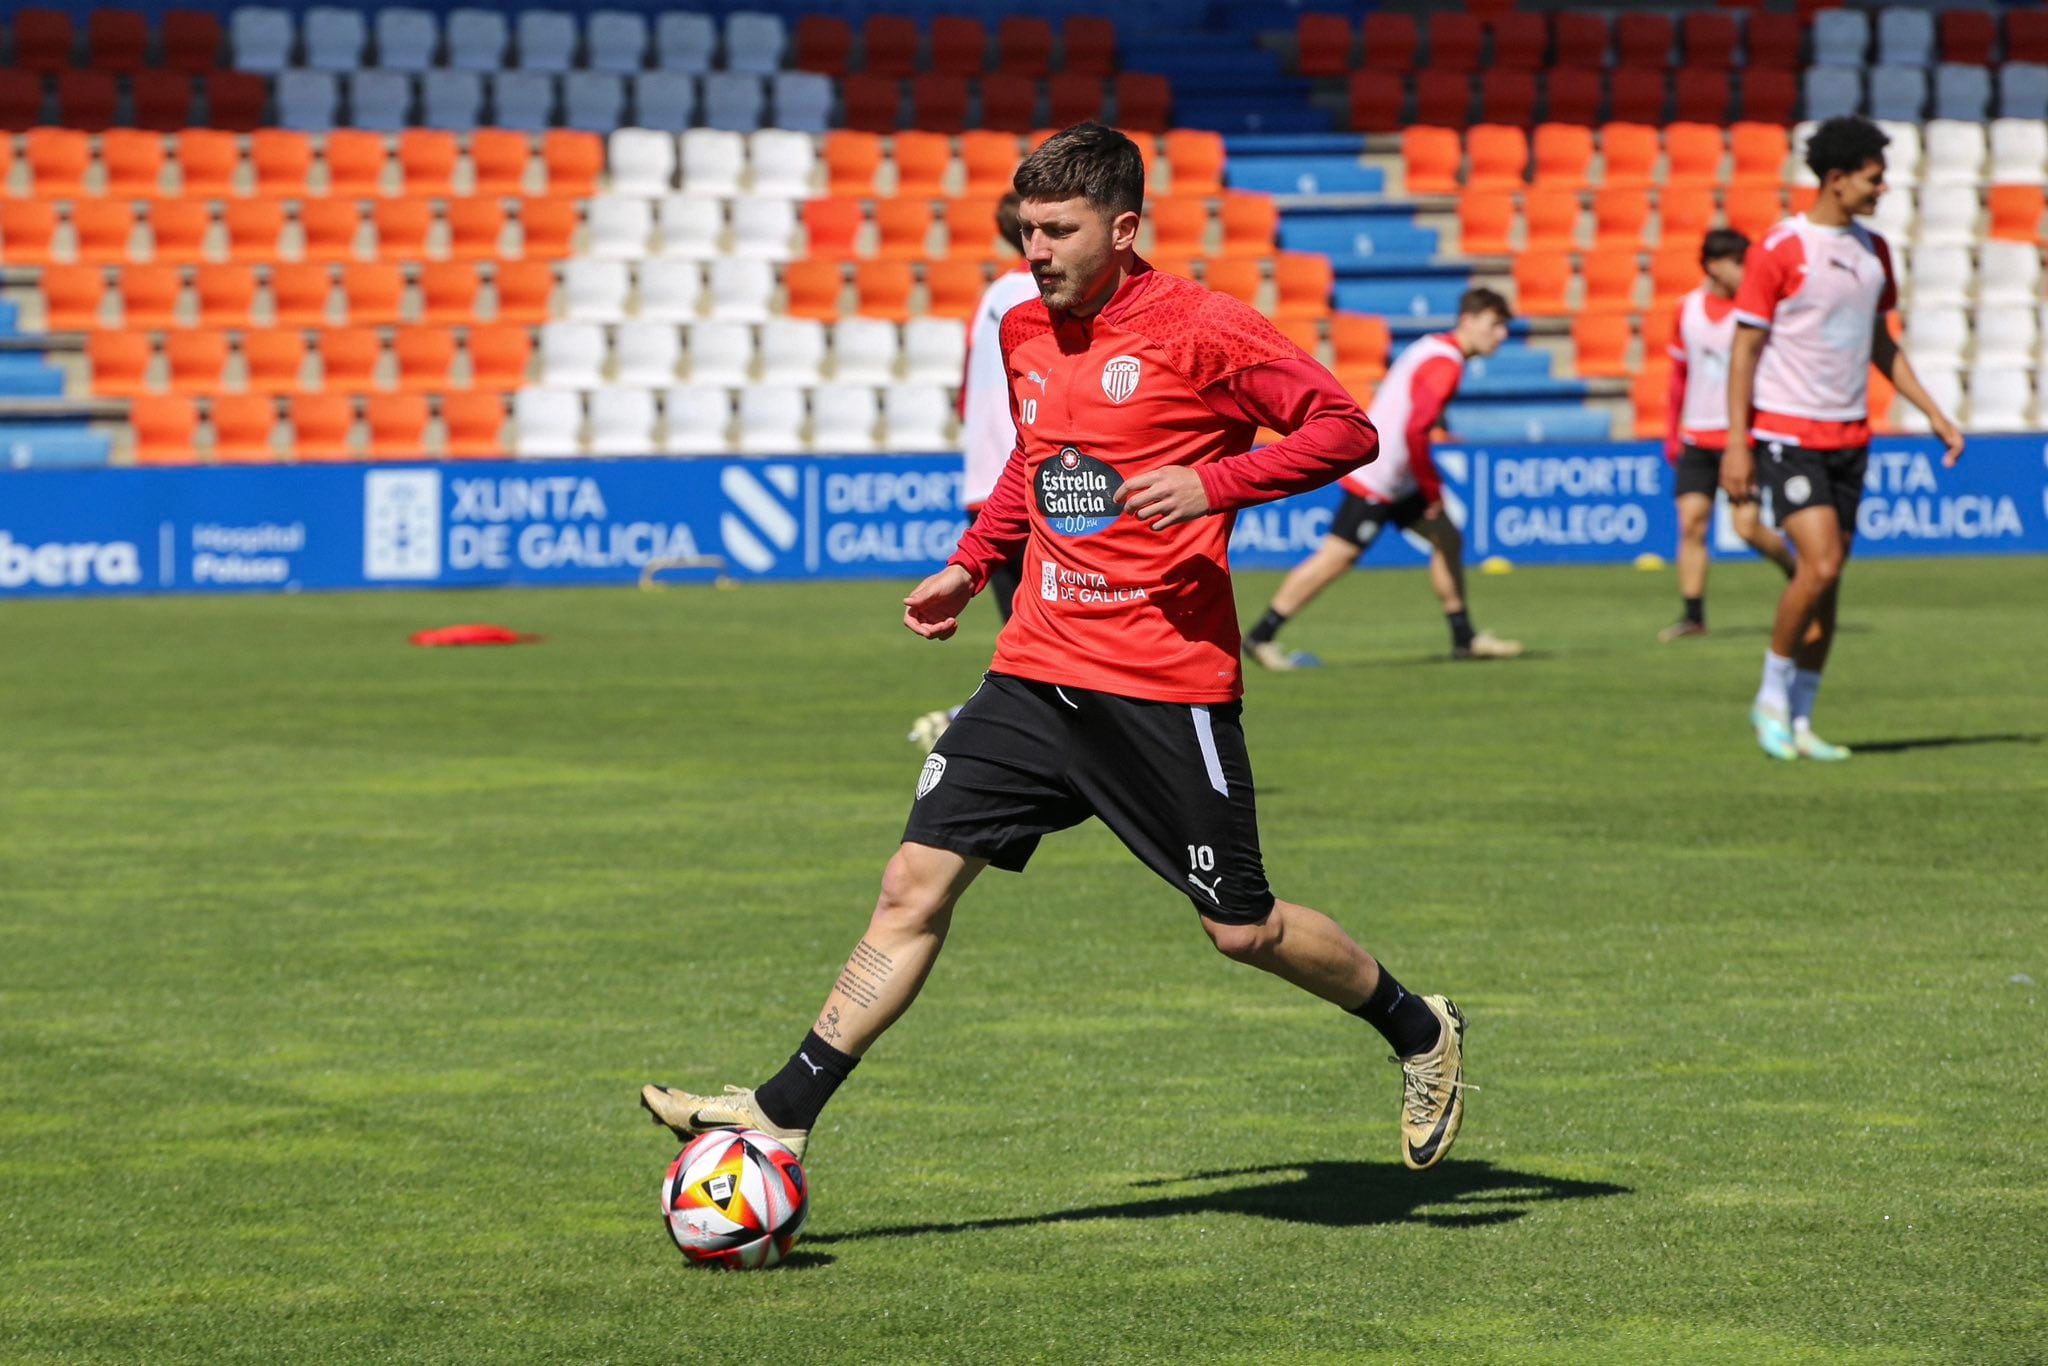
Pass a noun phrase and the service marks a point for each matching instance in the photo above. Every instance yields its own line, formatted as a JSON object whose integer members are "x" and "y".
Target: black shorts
{"x": 1171, "y": 780}
{"x": 1360, "y": 520}
{"x": 1800, "y": 479}
{"x": 1699, "y": 471}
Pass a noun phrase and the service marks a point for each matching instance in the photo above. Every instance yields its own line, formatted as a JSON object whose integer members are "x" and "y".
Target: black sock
{"x": 1268, "y": 627}
{"x": 1461, "y": 629}
{"x": 1696, "y": 611}
{"x": 794, "y": 1096}
{"x": 1409, "y": 1025}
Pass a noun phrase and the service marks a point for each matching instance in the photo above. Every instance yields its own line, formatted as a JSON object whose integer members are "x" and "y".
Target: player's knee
{"x": 1243, "y": 942}
{"x": 1823, "y": 569}
{"x": 912, "y": 897}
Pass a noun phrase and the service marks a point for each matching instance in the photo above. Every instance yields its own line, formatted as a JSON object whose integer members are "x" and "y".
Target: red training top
{"x": 1168, "y": 373}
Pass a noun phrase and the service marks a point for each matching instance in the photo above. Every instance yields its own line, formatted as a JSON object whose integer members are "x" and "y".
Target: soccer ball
{"x": 735, "y": 1198}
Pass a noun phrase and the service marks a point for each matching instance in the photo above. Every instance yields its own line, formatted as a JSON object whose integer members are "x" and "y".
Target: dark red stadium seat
{"x": 43, "y": 40}
{"x": 1324, "y": 42}
{"x": 959, "y": 45}
{"x": 1769, "y": 95}
{"x": 890, "y": 43}
{"x": 1024, "y": 46}
{"x": 938, "y": 102}
{"x": 822, "y": 43}
{"x": 1574, "y": 95}
{"x": 21, "y": 100}
{"x": 1520, "y": 41}
{"x": 191, "y": 40}
{"x": 163, "y": 100}
{"x": 1507, "y": 96}
{"x": 1967, "y": 36}
{"x": 1454, "y": 41}
{"x": 1390, "y": 41}
{"x": 116, "y": 40}
{"x": 86, "y": 99}
{"x": 1772, "y": 40}
{"x": 1443, "y": 99}
{"x": 1637, "y": 94}
{"x": 2026, "y": 35}
{"x": 1702, "y": 95}
{"x": 1009, "y": 102}
{"x": 1582, "y": 38}
{"x": 1075, "y": 98}
{"x": 1376, "y": 101}
{"x": 235, "y": 100}
{"x": 1642, "y": 40}
{"x": 1087, "y": 45}
{"x": 1709, "y": 39}
{"x": 1144, "y": 103}
{"x": 873, "y": 103}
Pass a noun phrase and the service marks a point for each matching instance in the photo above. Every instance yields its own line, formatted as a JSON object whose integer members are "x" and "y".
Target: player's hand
{"x": 1164, "y": 497}
{"x": 1950, "y": 437}
{"x": 1738, "y": 472}
{"x": 934, "y": 606}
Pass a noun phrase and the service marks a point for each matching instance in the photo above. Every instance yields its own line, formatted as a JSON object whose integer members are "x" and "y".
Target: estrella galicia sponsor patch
{"x": 1074, "y": 493}
{"x": 934, "y": 769}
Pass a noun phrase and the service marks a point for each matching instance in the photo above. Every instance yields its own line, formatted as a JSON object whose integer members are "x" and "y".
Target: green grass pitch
{"x": 329, "y": 968}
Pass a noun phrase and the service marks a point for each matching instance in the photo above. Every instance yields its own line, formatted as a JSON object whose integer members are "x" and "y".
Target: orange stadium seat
{"x": 524, "y": 290}
{"x": 426, "y": 161}
{"x": 971, "y": 229}
{"x": 355, "y": 161}
{"x": 498, "y": 356}
{"x": 58, "y": 159}
{"x": 449, "y": 291}
{"x": 851, "y": 160}
{"x": 1304, "y": 281}
{"x": 574, "y": 160}
{"x": 1499, "y": 157}
{"x": 547, "y": 228}
{"x": 398, "y": 425}
{"x": 1251, "y": 223}
{"x": 1180, "y": 226}
{"x": 1684, "y": 213}
{"x": 299, "y": 293}
{"x": 282, "y": 161}
{"x": 476, "y": 228}
{"x": 474, "y": 426}
{"x": 227, "y": 295}
{"x": 1148, "y": 148}
{"x": 2015, "y": 212}
{"x": 1601, "y": 341}
{"x": 1195, "y": 160}
{"x": 1753, "y": 210}
{"x": 120, "y": 363}
{"x": 243, "y": 425}
{"x": 1760, "y": 150}
{"x": 904, "y": 227}
{"x": 348, "y": 359}
{"x": 953, "y": 288}
{"x": 1186, "y": 267}
{"x": 1432, "y": 157}
{"x": 1620, "y": 215}
{"x": 207, "y": 161}
{"x": 375, "y": 291}
{"x": 1693, "y": 154}
{"x": 1361, "y": 344}
{"x": 1674, "y": 271}
{"x": 1649, "y": 395}
{"x": 832, "y": 227}
{"x": 499, "y": 157}
{"x": 1799, "y": 198}
{"x": 1542, "y": 279}
{"x": 1553, "y": 219}
{"x": 255, "y": 227}
{"x": 1238, "y": 276}
{"x": 321, "y": 427}
{"x": 921, "y": 161}
{"x": 883, "y": 289}
{"x": 1073, "y": 96}
{"x": 426, "y": 358}
{"x": 1610, "y": 278}
{"x": 813, "y": 287}
{"x": 166, "y": 428}
{"x": 276, "y": 359}
{"x": 1563, "y": 154}
{"x": 990, "y": 159}
{"x": 1629, "y": 152}
{"x": 149, "y": 296}
{"x": 402, "y": 228}
{"x": 198, "y": 359}
{"x": 134, "y": 162}
{"x": 1305, "y": 333}
{"x": 28, "y": 232}
{"x": 1485, "y": 218}
{"x": 1659, "y": 326}
{"x": 102, "y": 230}
{"x": 178, "y": 229}
{"x": 330, "y": 228}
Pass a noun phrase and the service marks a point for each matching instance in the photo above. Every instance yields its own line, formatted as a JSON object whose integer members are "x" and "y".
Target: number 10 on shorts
{"x": 1201, "y": 858}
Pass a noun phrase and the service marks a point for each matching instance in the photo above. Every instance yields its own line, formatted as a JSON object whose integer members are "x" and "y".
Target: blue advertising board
{"x": 570, "y": 522}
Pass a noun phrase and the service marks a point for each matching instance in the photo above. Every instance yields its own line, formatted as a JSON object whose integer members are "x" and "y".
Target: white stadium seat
{"x": 1894, "y": 218}
{"x": 572, "y": 355}
{"x": 783, "y": 163}
{"x": 1901, "y": 154}
{"x": 1940, "y": 275}
{"x": 619, "y": 227}
{"x": 2019, "y": 152}
{"x": 918, "y": 417}
{"x": 1937, "y": 336}
{"x": 771, "y": 419}
{"x": 622, "y": 422}
{"x": 547, "y": 422}
{"x": 1945, "y": 386}
{"x": 2001, "y": 398}
{"x": 765, "y": 228}
{"x": 642, "y": 162}
{"x": 698, "y": 419}
{"x": 864, "y": 351}
{"x": 595, "y": 291}
{"x": 721, "y": 353}
{"x": 792, "y": 351}
{"x": 1955, "y": 153}
{"x": 2008, "y": 336}
{"x": 1802, "y": 132}
{"x": 713, "y": 162}
{"x": 934, "y": 350}
{"x": 647, "y": 354}
{"x": 741, "y": 288}
{"x": 843, "y": 418}
{"x": 2008, "y": 272}
{"x": 670, "y": 290}
{"x": 692, "y": 226}
{"x": 1948, "y": 214}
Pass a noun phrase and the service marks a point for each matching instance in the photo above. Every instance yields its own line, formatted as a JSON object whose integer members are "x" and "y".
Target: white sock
{"x": 1805, "y": 687}
{"x": 1774, "y": 694}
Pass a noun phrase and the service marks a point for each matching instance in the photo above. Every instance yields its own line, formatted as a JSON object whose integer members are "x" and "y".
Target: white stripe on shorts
{"x": 1206, "y": 735}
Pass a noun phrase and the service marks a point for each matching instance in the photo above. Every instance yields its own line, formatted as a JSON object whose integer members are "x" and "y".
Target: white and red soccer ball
{"x": 735, "y": 1198}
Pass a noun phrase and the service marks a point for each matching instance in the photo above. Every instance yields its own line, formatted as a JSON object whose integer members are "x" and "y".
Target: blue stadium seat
{"x": 1905, "y": 36}
{"x": 522, "y": 100}
{"x": 260, "y": 39}
{"x": 754, "y": 42}
{"x": 547, "y": 40}
{"x": 1832, "y": 90}
{"x": 1840, "y": 37}
{"x": 453, "y": 100}
{"x": 379, "y": 100}
{"x": 665, "y": 100}
{"x": 1898, "y": 92}
{"x": 685, "y": 42}
{"x": 2023, "y": 91}
{"x": 1528, "y": 422}
{"x": 593, "y": 101}
{"x": 803, "y": 101}
{"x": 617, "y": 41}
{"x": 334, "y": 38}
{"x": 26, "y": 374}
{"x": 477, "y": 39}
{"x": 1364, "y": 236}
{"x": 307, "y": 101}
{"x": 733, "y": 101}
{"x": 406, "y": 39}
{"x": 1962, "y": 92}
{"x": 1421, "y": 296}
{"x": 1303, "y": 175}
{"x": 50, "y": 444}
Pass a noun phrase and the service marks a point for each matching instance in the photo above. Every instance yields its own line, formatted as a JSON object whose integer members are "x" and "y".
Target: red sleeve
{"x": 1767, "y": 277}
{"x": 1429, "y": 394}
{"x": 1672, "y": 440}
{"x": 1325, "y": 434}
{"x": 1002, "y": 524}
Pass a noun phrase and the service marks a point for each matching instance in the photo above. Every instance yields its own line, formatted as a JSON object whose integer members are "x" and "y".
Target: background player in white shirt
{"x": 1812, "y": 321}
{"x": 1402, "y": 487}
{"x": 1699, "y": 428}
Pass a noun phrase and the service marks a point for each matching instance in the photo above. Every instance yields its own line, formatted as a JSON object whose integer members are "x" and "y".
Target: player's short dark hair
{"x": 1008, "y": 226}
{"x": 1086, "y": 161}
{"x": 1723, "y": 244}
{"x": 1845, "y": 143}
{"x": 1484, "y": 300}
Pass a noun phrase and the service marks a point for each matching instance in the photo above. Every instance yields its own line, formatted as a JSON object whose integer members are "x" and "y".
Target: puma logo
{"x": 805, "y": 1058}
{"x": 1209, "y": 888}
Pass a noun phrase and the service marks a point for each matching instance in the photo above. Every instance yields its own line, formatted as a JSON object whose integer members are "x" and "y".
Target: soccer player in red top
{"x": 1811, "y": 317}
{"x": 1115, "y": 687}
{"x": 1699, "y": 428}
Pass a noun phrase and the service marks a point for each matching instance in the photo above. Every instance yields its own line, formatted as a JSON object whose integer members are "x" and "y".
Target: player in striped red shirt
{"x": 1699, "y": 428}
{"x": 1812, "y": 319}
{"x": 1116, "y": 683}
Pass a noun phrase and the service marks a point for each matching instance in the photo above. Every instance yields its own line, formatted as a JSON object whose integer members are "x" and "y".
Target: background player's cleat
{"x": 1433, "y": 1091}
{"x": 688, "y": 1115}
{"x": 1773, "y": 735}
{"x": 1681, "y": 629}
{"x": 1487, "y": 645}
{"x": 1272, "y": 655}
{"x": 926, "y": 730}
{"x": 1811, "y": 746}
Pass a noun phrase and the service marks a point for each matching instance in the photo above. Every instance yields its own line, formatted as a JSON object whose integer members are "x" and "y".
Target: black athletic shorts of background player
{"x": 1800, "y": 479}
{"x": 1699, "y": 471}
{"x": 1005, "y": 578}
{"x": 1170, "y": 779}
{"x": 1361, "y": 520}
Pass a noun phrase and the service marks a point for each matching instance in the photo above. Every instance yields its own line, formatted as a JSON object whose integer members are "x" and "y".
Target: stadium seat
{"x": 397, "y": 425}
{"x": 134, "y": 163}
{"x": 959, "y": 45}
{"x": 771, "y": 418}
{"x": 1693, "y": 153}
{"x": 521, "y": 100}
{"x": 451, "y": 100}
{"x": 782, "y": 163}
{"x": 922, "y": 160}
{"x": 1937, "y": 335}
{"x": 733, "y": 101}
{"x": 642, "y": 162}
{"x": 1180, "y": 226}
{"x": 1323, "y": 43}
{"x": 1024, "y": 46}
{"x": 1961, "y": 92}
{"x": 864, "y": 350}
{"x": 1360, "y": 345}
{"x": 407, "y": 39}
{"x": 1455, "y": 39}
{"x": 1144, "y": 103}
{"x": 572, "y": 355}
{"x": 1009, "y": 104}
{"x": 374, "y": 292}
{"x": 2019, "y": 152}
{"x": 1955, "y": 152}
{"x": 402, "y": 227}
{"x": 574, "y": 161}
{"x": 821, "y": 43}
{"x": 190, "y": 40}
{"x": 1389, "y": 42}
{"x": 1611, "y": 280}
{"x": 21, "y": 101}
{"x": 843, "y": 419}
{"x": 349, "y": 357}
{"x": 721, "y": 352}
{"x": 2015, "y": 212}
{"x": 597, "y": 291}
{"x": 1240, "y": 278}
{"x": 260, "y": 39}
{"x": 2023, "y": 91}
{"x": 1939, "y": 274}
{"x": 713, "y": 162}
{"x": 692, "y": 227}
{"x": 697, "y": 419}
{"x": 647, "y": 355}
{"x": 1498, "y": 155}
{"x": 684, "y": 41}
{"x": 1507, "y": 97}
{"x": 308, "y": 101}
{"x": 524, "y": 291}
{"x": 427, "y": 159}
{"x": 28, "y": 232}
{"x": 546, "y": 40}
{"x": 990, "y": 160}
{"x": 755, "y": 42}
{"x": 1629, "y": 153}
{"x": 2006, "y": 335}
{"x": 300, "y": 294}
{"x": 244, "y": 426}
{"x": 1684, "y": 213}
{"x": 1551, "y": 218}
{"x": 1643, "y": 40}
{"x": 622, "y": 421}
{"x": 1898, "y": 93}
{"x": 1753, "y": 210}
{"x": 546, "y": 422}
{"x": 739, "y": 289}
{"x": 119, "y": 361}
{"x": 58, "y": 159}
{"x": 1759, "y": 152}
{"x": 1376, "y": 102}
{"x": 1431, "y": 157}
{"x": 1563, "y": 156}
{"x": 882, "y": 289}
{"x": 86, "y": 100}
{"x": 165, "y": 427}
{"x": 178, "y": 230}
{"x": 664, "y": 101}
{"x": 355, "y": 162}
{"x": 499, "y": 356}
{"x": 103, "y": 231}
{"x": 1840, "y": 37}
{"x": 1443, "y": 99}
{"x": 1767, "y": 95}
{"x": 150, "y": 297}
{"x": 547, "y": 228}
{"x": 322, "y": 427}
{"x": 1701, "y": 96}
{"x": 162, "y": 100}
{"x": 426, "y": 358}
{"x": 792, "y": 351}
{"x": 1520, "y": 41}
{"x": 953, "y": 288}
{"x": 1251, "y": 223}
{"x": 851, "y": 162}
{"x": 1967, "y": 36}
{"x": 1905, "y": 36}
{"x": 1600, "y": 342}
{"x": 934, "y": 351}
{"x": 871, "y": 104}
{"x": 917, "y": 417}
{"x": 763, "y": 227}
{"x": 226, "y": 293}
{"x": 1709, "y": 39}
{"x": 813, "y": 288}
{"x": 476, "y": 228}
{"x": 2000, "y": 398}
{"x": 1944, "y": 384}
{"x": 275, "y": 359}
{"x": 473, "y": 426}
{"x": 1620, "y": 214}
{"x": 1485, "y": 220}
{"x": 903, "y": 229}
{"x": 282, "y": 162}
{"x": 380, "y": 101}
{"x": 619, "y": 227}
{"x": 499, "y": 159}
{"x": 1303, "y": 282}
{"x": 329, "y": 229}
{"x": 1542, "y": 279}
{"x": 615, "y": 41}
{"x": 334, "y": 38}
{"x": 1674, "y": 271}
{"x": 1073, "y": 97}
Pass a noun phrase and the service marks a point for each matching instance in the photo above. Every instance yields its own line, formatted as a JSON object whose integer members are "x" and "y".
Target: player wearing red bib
{"x": 1812, "y": 321}
{"x": 1699, "y": 428}
{"x": 1114, "y": 691}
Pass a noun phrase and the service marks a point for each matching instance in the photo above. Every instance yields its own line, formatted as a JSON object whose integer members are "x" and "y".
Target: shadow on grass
{"x": 1330, "y": 1194}
{"x": 1941, "y": 742}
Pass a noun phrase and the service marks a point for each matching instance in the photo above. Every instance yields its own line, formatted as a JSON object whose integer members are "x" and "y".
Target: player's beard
{"x": 1073, "y": 284}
